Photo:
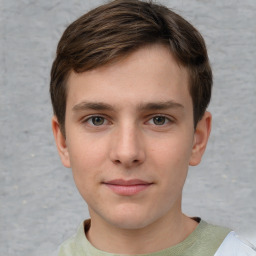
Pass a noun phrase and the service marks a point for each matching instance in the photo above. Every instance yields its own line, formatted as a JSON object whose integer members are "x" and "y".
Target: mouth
{"x": 127, "y": 187}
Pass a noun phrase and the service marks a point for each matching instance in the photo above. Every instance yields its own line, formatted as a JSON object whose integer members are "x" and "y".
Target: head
{"x": 129, "y": 86}
{"x": 115, "y": 30}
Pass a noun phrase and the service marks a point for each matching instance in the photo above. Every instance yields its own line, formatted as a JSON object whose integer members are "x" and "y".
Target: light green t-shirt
{"x": 204, "y": 240}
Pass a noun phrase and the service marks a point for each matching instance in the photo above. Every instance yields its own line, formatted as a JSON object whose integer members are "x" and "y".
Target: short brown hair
{"x": 120, "y": 27}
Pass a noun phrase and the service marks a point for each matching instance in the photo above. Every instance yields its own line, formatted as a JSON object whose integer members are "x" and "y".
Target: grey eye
{"x": 97, "y": 120}
{"x": 159, "y": 120}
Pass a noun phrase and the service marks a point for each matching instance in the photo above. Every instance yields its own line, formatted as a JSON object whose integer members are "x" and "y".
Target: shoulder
{"x": 221, "y": 241}
{"x": 66, "y": 248}
{"x": 211, "y": 235}
{"x": 233, "y": 245}
{"x": 75, "y": 245}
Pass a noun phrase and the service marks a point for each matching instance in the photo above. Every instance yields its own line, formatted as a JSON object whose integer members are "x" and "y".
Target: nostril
{"x": 118, "y": 162}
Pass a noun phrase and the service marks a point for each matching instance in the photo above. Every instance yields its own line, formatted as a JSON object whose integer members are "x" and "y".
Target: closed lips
{"x": 127, "y": 187}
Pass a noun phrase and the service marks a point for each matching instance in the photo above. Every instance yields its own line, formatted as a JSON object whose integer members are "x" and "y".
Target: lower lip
{"x": 128, "y": 190}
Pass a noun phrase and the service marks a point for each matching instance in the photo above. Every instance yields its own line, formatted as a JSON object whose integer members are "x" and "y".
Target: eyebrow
{"x": 150, "y": 106}
{"x": 162, "y": 105}
{"x": 92, "y": 105}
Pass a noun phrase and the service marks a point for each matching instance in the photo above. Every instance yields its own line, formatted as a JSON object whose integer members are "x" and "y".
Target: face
{"x": 130, "y": 137}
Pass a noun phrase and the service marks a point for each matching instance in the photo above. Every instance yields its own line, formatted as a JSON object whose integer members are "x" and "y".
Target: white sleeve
{"x": 234, "y": 246}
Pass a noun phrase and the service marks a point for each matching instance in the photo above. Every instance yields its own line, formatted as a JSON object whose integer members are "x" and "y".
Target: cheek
{"x": 85, "y": 152}
{"x": 86, "y": 163}
{"x": 171, "y": 160}
{"x": 172, "y": 151}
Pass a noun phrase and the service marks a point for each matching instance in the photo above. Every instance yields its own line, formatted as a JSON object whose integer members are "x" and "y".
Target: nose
{"x": 127, "y": 147}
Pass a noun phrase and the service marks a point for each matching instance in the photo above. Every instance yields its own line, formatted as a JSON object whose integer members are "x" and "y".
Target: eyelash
{"x": 87, "y": 120}
{"x": 167, "y": 120}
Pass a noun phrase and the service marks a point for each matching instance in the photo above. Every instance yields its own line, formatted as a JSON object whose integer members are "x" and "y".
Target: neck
{"x": 157, "y": 236}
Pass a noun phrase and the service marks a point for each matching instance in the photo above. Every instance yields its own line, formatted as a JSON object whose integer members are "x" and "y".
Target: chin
{"x": 131, "y": 219}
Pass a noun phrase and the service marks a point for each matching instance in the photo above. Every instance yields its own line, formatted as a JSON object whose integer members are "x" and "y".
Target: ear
{"x": 60, "y": 142}
{"x": 201, "y": 136}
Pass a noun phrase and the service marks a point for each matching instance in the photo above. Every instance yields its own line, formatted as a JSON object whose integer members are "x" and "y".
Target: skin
{"x": 127, "y": 121}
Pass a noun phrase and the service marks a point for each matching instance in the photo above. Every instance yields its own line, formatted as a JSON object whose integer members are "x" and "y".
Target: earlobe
{"x": 60, "y": 142}
{"x": 201, "y": 136}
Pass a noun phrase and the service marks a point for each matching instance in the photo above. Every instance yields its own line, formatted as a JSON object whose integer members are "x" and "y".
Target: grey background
{"x": 40, "y": 206}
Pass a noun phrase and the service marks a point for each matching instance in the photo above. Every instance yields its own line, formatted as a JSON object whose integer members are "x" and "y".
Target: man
{"x": 130, "y": 86}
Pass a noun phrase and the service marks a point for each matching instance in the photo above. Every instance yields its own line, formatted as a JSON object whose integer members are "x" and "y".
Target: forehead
{"x": 149, "y": 74}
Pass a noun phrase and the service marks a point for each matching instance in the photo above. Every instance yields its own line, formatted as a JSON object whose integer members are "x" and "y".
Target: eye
{"x": 159, "y": 120}
{"x": 96, "y": 120}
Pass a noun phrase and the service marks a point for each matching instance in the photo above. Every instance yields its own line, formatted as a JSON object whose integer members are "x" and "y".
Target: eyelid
{"x": 89, "y": 117}
{"x": 161, "y": 115}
